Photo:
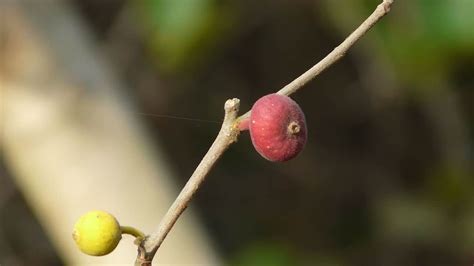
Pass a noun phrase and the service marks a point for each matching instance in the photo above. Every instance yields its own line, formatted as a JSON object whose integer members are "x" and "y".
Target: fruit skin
{"x": 277, "y": 127}
{"x": 97, "y": 233}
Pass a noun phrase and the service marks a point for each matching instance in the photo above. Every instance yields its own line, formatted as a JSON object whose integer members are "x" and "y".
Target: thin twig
{"x": 227, "y": 135}
{"x": 336, "y": 54}
{"x": 230, "y": 131}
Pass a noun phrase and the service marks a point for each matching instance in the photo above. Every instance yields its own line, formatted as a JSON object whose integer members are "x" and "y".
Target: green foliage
{"x": 433, "y": 34}
{"x": 265, "y": 254}
{"x": 180, "y": 33}
{"x": 449, "y": 24}
{"x": 449, "y": 186}
{"x": 269, "y": 253}
{"x": 423, "y": 39}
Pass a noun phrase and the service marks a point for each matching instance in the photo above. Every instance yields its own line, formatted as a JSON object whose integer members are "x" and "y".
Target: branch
{"x": 230, "y": 131}
{"x": 227, "y": 135}
{"x": 336, "y": 54}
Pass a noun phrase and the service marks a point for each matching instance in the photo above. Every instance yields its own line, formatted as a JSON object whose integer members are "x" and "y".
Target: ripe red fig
{"x": 277, "y": 127}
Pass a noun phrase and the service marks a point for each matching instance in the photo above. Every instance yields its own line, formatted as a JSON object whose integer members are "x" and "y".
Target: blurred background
{"x": 107, "y": 102}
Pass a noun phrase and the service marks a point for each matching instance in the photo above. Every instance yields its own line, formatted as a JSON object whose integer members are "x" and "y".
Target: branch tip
{"x": 232, "y": 105}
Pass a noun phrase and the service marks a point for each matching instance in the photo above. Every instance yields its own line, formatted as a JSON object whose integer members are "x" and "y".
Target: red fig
{"x": 277, "y": 127}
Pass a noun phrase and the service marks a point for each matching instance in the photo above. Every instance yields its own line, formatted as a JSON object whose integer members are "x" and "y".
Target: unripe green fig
{"x": 97, "y": 233}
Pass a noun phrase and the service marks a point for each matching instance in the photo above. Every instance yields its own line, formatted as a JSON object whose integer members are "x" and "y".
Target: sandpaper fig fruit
{"x": 97, "y": 233}
{"x": 277, "y": 127}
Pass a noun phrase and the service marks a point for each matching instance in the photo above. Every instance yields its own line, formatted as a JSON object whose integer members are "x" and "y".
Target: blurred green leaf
{"x": 448, "y": 23}
{"x": 182, "y": 32}
{"x": 434, "y": 33}
{"x": 449, "y": 186}
{"x": 422, "y": 38}
{"x": 263, "y": 254}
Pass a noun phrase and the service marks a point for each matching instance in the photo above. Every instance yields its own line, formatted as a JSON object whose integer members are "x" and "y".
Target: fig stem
{"x": 129, "y": 230}
{"x": 243, "y": 124}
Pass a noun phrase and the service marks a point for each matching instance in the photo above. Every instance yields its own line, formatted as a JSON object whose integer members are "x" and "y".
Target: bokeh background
{"x": 387, "y": 175}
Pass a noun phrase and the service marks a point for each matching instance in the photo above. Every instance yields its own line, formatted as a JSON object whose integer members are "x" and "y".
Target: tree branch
{"x": 227, "y": 135}
{"x": 230, "y": 131}
{"x": 336, "y": 54}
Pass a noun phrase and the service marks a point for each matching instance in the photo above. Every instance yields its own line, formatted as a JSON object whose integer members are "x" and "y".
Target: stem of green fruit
{"x": 129, "y": 230}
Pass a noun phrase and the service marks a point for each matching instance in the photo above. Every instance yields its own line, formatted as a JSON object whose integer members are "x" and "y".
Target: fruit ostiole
{"x": 277, "y": 127}
{"x": 98, "y": 233}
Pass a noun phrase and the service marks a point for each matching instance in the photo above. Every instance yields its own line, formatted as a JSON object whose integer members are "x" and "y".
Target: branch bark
{"x": 227, "y": 135}
{"x": 230, "y": 131}
{"x": 338, "y": 52}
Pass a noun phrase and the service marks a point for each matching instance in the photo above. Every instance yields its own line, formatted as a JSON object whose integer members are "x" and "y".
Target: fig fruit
{"x": 277, "y": 127}
{"x": 97, "y": 233}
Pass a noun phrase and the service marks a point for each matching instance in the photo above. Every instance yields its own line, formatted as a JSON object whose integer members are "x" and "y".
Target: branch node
{"x": 387, "y": 4}
{"x": 227, "y": 135}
